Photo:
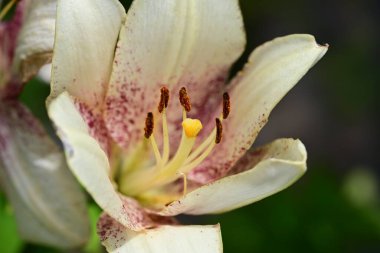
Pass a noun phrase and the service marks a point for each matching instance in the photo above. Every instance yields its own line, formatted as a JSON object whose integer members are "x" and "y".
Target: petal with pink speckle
{"x": 190, "y": 43}
{"x": 272, "y": 70}
{"x": 259, "y": 174}
{"x": 89, "y": 163}
{"x": 162, "y": 239}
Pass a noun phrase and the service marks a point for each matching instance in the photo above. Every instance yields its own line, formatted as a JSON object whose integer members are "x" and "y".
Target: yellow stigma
{"x": 149, "y": 181}
{"x": 192, "y": 127}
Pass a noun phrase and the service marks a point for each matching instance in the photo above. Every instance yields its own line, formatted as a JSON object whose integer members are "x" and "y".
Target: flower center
{"x": 185, "y": 159}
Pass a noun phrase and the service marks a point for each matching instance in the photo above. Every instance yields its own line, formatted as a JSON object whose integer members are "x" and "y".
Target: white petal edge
{"x": 48, "y": 203}
{"x": 87, "y": 160}
{"x": 85, "y": 40}
{"x": 36, "y": 38}
{"x": 282, "y": 163}
{"x": 163, "y": 239}
{"x": 272, "y": 70}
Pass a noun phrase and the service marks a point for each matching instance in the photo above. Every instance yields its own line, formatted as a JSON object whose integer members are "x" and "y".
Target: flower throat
{"x": 185, "y": 159}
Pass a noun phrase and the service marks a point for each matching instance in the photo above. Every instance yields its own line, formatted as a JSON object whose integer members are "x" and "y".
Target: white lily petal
{"x": 45, "y": 73}
{"x": 272, "y": 70}
{"x": 36, "y": 38}
{"x": 266, "y": 171}
{"x": 171, "y": 43}
{"x": 163, "y": 239}
{"x": 90, "y": 164}
{"x": 85, "y": 40}
{"x": 48, "y": 203}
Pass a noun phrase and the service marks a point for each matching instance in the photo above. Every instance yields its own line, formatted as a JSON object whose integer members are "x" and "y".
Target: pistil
{"x": 169, "y": 173}
{"x": 166, "y": 170}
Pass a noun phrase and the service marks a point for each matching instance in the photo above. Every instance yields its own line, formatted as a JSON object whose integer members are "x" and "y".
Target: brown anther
{"x": 184, "y": 99}
{"x": 219, "y": 130}
{"x": 149, "y": 125}
{"x": 164, "y": 100}
{"x": 226, "y": 105}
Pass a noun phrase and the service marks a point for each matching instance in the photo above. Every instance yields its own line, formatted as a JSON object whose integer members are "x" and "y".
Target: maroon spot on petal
{"x": 95, "y": 124}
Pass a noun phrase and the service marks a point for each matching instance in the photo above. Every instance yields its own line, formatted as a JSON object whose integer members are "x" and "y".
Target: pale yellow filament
{"x": 166, "y": 148}
{"x": 156, "y": 151}
{"x": 169, "y": 172}
{"x": 7, "y": 7}
{"x": 166, "y": 171}
{"x": 184, "y": 184}
{"x": 201, "y": 147}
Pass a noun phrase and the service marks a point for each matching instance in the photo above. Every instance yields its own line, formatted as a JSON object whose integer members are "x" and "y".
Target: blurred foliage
{"x": 312, "y": 216}
{"x": 10, "y": 242}
{"x": 33, "y": 96}
{"x": 93, "y": 245}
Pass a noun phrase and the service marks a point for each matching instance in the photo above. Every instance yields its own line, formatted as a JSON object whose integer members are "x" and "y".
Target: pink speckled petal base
{"x": 162, "y": 239}
{"x": 261, "y": 173}
{"x": 272, "y": 70}
{"x": 189, "y": 43}
{"x": 90, "y": 164}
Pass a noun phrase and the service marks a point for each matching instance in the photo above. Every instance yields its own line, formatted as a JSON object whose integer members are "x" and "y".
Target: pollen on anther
{"x": 226, "y": 105}
{"x": 219, "y": 131}
{"x": 164, "y": 100}
{"x": 184, "y": 99}
{"x": 149, "y": 125}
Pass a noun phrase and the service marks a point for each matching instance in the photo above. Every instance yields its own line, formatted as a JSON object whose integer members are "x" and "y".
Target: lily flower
{"x": 152, "y": 127}
{"x": 47, "y": 201}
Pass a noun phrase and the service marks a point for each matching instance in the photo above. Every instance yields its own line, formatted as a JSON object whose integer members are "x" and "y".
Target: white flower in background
{"x": 151, "y": 128}
{"x": 47, "y": 201}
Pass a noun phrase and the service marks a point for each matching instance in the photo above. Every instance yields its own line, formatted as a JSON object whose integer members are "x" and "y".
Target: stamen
{"x": 164, "y": 100}
{"x": 170, "y": 172}
{"x": 149, "y": 125}
{"x": 188, "y": 167}
{"x": 226, "y": 105}
{"x": 212, "y": 136}
{"x": 185, "y": 158}
{"x": 7, "y": 7}
{"x": 218, "y": 137}
{"x": 184, "y": 99}
{"x": 166, "y": 149}
{"x": 219, "y": 130}
{"x": 201, "y": 147}
{"x": 191, "y": 128}
{"x": 184, "y": 184}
